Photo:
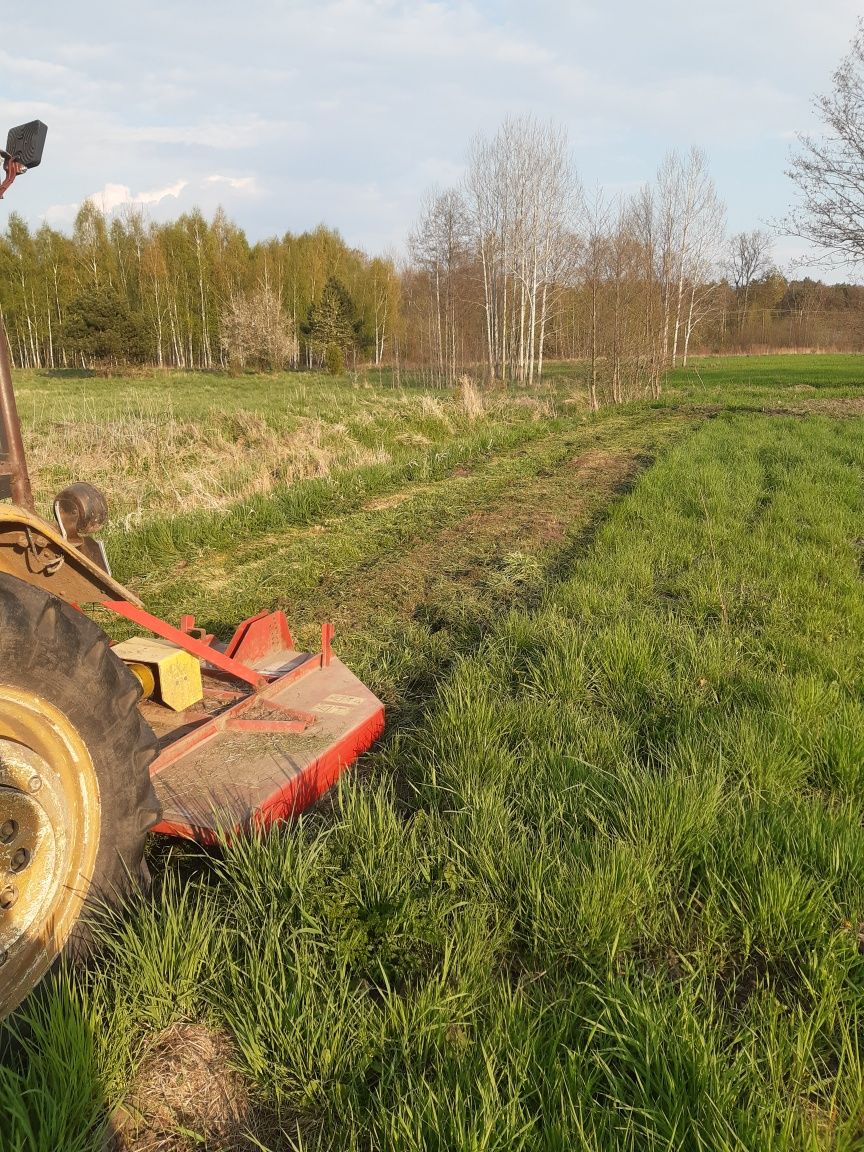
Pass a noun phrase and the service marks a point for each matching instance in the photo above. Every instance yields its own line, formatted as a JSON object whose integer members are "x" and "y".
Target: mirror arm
{"x": 12, "y": 168}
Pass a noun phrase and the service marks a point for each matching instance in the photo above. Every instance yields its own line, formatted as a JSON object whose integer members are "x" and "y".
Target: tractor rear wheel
{"x": 76, "y": 801}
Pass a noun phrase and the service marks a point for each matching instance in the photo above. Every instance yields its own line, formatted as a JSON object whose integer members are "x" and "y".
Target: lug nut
{"x": 8, "y": 831}
{"x": 34, "y": 783}
{"x": 20, "y": 860}
{"x": 8, "y": 897}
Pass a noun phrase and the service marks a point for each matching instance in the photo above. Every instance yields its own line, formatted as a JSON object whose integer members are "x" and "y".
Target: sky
{"x": 291, "y": 113}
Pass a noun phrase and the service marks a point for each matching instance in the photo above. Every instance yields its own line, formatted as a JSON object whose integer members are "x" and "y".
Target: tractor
{"x": 171, "y": 731}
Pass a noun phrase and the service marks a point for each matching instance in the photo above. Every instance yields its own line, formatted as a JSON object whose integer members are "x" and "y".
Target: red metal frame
{"x": 232, "y": 717}
{"x": 183, "y": 639}
{"x": 260, "y": 637}
{"x": 308, "y": 785}
{"x": 299, "y": 792}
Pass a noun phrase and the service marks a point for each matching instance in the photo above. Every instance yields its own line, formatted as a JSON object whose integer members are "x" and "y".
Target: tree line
{"x": 192, "y": 293}
{"x": 517, "y": 265}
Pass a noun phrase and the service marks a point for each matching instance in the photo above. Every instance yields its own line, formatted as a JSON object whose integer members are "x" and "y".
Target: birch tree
{"x": 440, "y": 247}
{"x": 519, "y": 188}
{"x": 595, "y": 252}
{"x": 701, "y": 227}
{"x": 748, "y": 259}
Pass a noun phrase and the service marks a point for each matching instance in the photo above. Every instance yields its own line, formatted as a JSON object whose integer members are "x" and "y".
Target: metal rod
{"x": 183, "y": 640}
{"x": 10, "y": 431}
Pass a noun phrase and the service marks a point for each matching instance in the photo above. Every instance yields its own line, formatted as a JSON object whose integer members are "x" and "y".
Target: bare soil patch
{"x": 531, "y": 516}
{"x": 840, "y": 407}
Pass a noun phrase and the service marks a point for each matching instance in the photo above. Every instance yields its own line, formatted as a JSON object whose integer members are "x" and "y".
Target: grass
{"x": 169, "y": 445}
{"x": 603, "y": 885}
{"x": 755, "y": 378}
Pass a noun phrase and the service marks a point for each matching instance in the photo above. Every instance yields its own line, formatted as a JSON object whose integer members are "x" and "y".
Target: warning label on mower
{"x": 337, "y": 705}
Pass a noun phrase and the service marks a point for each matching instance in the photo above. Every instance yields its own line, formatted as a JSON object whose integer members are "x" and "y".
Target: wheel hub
{"x": 28, "y": 841}
{"x": 49, "y": 835}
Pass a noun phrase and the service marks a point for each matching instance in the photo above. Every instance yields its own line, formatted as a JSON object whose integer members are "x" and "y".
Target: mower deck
{"x": 275, "y": 729}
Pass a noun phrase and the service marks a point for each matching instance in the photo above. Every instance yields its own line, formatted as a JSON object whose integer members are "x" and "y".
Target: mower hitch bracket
{"x": 198, "y": 648}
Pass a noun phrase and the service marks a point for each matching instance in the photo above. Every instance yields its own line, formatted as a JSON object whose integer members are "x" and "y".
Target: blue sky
{"x": 290, "y": 113}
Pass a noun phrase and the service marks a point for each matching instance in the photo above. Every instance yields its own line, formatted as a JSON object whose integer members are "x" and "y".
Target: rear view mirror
{"x": 23, "y": 150}
{"x": 24, "y": 144}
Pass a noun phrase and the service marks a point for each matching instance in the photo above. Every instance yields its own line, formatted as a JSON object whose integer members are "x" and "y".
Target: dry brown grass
{"x": 151, "y": 462}
{"x": 432, "y": 407}
{"x": 475, "y": 403}
{"x": 469, "y": 398}
{"x": 541, "y": 407}
{"x": 170, "y": 445}
{"x": 186, "y": 1094}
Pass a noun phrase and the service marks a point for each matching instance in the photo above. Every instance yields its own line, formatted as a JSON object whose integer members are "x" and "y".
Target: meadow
{"x": 602, "y": 884}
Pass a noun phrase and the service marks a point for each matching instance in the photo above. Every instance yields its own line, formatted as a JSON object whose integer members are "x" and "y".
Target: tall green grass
{"x": 608, "y": 894}
{"x": 621, "y": 906}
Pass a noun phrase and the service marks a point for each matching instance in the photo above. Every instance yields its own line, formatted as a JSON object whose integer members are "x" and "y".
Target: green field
{"x": 602, "y": 884}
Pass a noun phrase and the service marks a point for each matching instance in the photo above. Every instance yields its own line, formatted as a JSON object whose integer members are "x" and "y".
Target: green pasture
{"x": 602, "y": 884}
{"x": 759, "y": 377}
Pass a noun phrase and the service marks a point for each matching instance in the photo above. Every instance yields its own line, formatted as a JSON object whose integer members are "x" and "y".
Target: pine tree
{"x": 333, "y": 321}
{"x": 101, "y": 327}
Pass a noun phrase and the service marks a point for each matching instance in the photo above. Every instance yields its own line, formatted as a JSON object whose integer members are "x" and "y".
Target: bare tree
{"x": 624, "y": 266}
{"x": 651, "y": 230}
{"x": 689, "y": 219}
{"x": 700, "y": 227}
{"x": 667, "y": 207}
{"x": 701, "y": 256}
{"x": 595, "y": 253}
{"x": 829, "y": 172}
{"x": 486, "y": 192}
{"x": 440, "y": 247}
{"x": 556, "y": 190}
{"x": 748, "y": 260}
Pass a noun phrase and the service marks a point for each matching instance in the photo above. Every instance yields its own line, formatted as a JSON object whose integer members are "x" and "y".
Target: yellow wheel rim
{"x": 50, "y": 821}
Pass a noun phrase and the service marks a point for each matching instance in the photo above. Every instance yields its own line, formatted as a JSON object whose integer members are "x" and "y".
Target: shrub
{"x": 334, "y": 360}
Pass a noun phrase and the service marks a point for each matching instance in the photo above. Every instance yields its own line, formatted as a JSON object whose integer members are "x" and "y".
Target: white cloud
{"x": 39, "y": 71}
{"x": 60, "y": 215}
{"x": 239, "y": 183}
{"x": 115, "y": 196}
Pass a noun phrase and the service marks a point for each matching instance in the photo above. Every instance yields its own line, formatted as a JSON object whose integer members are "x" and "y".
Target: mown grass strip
{"x": 310, "y": 566}
{"x": 305, "y": 502}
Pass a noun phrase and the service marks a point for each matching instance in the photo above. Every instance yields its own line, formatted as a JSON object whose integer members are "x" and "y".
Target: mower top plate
{"x": 253, "y": 771}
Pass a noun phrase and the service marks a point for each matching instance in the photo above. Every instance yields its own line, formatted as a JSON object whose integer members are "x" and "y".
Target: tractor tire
{"x": 76, "y": 801}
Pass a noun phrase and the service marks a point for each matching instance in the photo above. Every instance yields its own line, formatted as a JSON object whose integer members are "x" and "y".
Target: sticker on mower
{"x": 338, "y": 705}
